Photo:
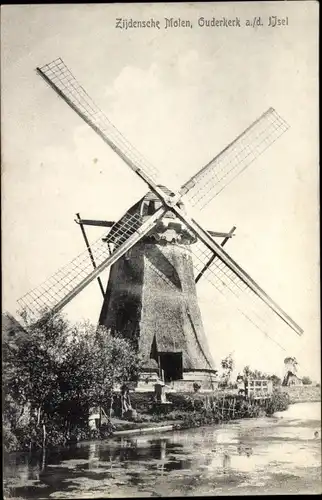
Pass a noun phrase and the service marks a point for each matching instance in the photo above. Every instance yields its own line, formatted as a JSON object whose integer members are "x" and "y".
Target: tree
{"x": 32, "y": 365}
{"x": 99, "y": 361}
{"x": 275, "y": 379}
{"x": 61, "y": 370}
{"x": 32, "y": 360}
{"x": 259, "y": 375}
{"x": 227, "y": 365}
{"x": 306, "y": 380}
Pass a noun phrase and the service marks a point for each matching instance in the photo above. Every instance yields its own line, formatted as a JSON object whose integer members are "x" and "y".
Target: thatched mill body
{"x": 157, "y": 252}
{"x": 151, "y": 299}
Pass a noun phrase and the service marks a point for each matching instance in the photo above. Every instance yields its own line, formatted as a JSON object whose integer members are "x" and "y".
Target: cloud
{"x": 163, "y": 113}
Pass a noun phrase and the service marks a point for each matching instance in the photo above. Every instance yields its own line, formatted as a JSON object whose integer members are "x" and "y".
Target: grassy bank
{"x": 303, "y": 393}
{"x": 194, "y": 410}
{"x": 184, "y": 411}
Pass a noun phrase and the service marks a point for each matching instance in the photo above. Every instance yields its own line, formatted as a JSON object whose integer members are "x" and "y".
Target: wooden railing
{"x": 259, "y": 389}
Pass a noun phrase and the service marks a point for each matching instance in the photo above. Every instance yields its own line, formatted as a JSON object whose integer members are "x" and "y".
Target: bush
{"x": 10, "y": 442}
{"x": 142, "y": 401}
{"x": 106, "y": 430}
{"x": 60, "y": 370}
{"x": 28, "y": 436}
{"x": 31, "y": 436}
{"x": 193, "y": 402}
{"x": 279, "y": 402}
{"x": 141, "y": 418}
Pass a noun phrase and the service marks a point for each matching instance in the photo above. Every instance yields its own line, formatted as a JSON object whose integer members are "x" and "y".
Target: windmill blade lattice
{"x": 54, "y": 291}
{"x": 240, "y": 295}
{"x": 65, "y": 84}
{"x": 223, "y": 169}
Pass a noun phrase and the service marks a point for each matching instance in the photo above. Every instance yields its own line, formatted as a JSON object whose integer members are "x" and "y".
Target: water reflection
{"x": 248, "y": 456}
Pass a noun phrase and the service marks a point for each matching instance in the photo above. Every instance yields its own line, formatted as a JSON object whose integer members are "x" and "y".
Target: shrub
{"x": 60, "y": 370}
{"x": 106, "y": 430}
{"x": 10, "y": 442}
{"x": 279, "y": 402}
{"x": 142, "y": 401}
{"x": 143, "y": 418}
{"x": 186, "y": 403}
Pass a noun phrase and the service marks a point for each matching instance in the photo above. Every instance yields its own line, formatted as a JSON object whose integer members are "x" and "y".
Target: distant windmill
{"x": 290, "y": 368}
{"x": 158, "y": 251}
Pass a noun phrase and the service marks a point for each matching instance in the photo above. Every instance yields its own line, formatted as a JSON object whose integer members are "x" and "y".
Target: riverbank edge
{"x": 138, "y": 429}
{"x": 181, "y": 424}
{"x": 170, "y": 425}
{"x": 188, "y": 419}
{"x": 142, "y": 430}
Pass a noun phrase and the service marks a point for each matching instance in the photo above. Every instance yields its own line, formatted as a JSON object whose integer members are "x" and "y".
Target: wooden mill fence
{"x": 230, "y": 406}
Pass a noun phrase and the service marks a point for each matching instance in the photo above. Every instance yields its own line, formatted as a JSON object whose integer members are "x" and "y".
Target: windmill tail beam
{"x": 90, "y": 253}
{"x": 97, "y": 223}
{"x": 110, "y": 223}
{"x": 219, "y": 234}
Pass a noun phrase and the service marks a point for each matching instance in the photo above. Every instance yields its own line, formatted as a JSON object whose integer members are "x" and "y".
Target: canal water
{"x": 280, "y": 454}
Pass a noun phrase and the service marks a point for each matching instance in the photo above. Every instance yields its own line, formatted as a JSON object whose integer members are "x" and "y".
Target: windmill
{"x": 158, "y": 252}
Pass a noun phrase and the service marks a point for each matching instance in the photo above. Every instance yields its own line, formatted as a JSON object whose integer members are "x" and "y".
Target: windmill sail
{"x": 237, "y": 156}
{"x": 240, "y": 295}
{"x": 234, "y": 267}
{"x": 233, "y": 289}
{"x": 67, "y": 282}
{"x": 60, "y": 78}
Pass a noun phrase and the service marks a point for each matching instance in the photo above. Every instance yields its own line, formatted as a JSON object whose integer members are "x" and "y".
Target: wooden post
{"x": 111, "y": 405}
{"x": 91, "y": 256}
{"x": 43, "y": 462}
{"x": 103, "y": 412}
{"x": 230, "y": 408}
{"x": 43, "y": 435}
{"x": 160, "y": 369}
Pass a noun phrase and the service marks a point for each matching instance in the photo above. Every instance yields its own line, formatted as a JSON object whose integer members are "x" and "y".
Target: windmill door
{"x": 171, "y": 364}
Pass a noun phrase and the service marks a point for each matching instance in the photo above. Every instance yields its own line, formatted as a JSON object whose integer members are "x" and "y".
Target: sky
{"x": 180, "y": 96}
